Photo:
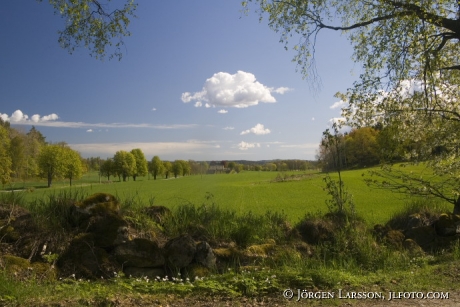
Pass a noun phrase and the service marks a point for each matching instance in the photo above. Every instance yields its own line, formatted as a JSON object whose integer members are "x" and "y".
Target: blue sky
{"x": 198, "y": 80}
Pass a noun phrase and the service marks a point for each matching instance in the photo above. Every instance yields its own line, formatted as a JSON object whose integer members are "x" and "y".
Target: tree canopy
{"x": 93, "y": 25}
{"x": 410, "y": 76}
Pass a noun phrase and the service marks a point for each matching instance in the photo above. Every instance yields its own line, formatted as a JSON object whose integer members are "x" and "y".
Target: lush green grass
{"x": 257, "y": 192}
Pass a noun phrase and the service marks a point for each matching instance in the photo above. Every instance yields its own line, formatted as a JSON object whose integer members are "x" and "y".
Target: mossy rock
{"x": 180, "y": 251}
{"x": 414, "y": 249}
{"x": 140, "y": 253}
{"x": 314, "y": 231}
{"x": 394, "y": 238}
{"x": 424, "y": 236}
{"x": 261, "y": 250}
{"x": 226, "y": 253}
{"x": 108, "y": 230}
{"x": 24, "y": 270}
{"x": 99, "y": 204}
{"x": 86, "y": 260}
{"x": 448, "y": 225}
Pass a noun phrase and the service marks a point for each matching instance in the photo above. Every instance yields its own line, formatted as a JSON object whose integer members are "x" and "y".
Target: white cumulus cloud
{"x": 198, "y": 104}
{"x": 89, "y": 130}
{"x": 239, "y": 90}
{"x": 19, "y": 117}
{"x": 222, "y": 111}
{"x": 258, "y": 129}
{"x": 245, "y": 146}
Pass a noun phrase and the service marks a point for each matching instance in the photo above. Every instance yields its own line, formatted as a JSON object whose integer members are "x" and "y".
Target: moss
{"x": 195, "y": 270}
{"x": 261, "y": 250}
{"x": 394, "y": 238}
{"x": 226, "y": 252}
{"x": 8, "y": 233}
{"x": 22, "y": 269}
{"x": 100, "y": 203}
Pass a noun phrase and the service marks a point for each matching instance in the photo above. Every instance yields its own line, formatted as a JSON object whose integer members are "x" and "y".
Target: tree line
{"x": 28, "y": 155}
{"x": 368, "y": 146}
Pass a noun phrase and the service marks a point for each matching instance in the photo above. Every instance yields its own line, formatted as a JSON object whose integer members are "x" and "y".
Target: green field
{"x": 252, "y": 191}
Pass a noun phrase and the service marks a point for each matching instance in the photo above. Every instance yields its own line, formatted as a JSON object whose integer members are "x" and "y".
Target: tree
{"x": 177, "y": 168}
{"x": 51, "y": 162}
{"x": 33, "y": 143}
{"x": 141, "y": 163}
{"x": 361, "y": 148}
{"x": 73, "y": 166}
{"x": 411, "y": 74}
{"x": 5, "y": 158}
{"x": 108, "y": 168}
{"x": 185, "y": 167}
{"x": 167, "y": 168}
{"x": 91, "y": 24}
{"x": 124, "y": 164}
{"x": 156, "y": 167}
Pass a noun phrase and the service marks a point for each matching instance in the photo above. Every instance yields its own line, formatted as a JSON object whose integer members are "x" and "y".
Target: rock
{"x": 180, "y": 251}
{"x": 109, "y": 229}
{"x": 447, "y": 225}
{"x": 414, "y": 249}
{"x": 150, "y": 273}
{"x": 139, "y": 253}
{"x": 415, "y": 220}
{"x": 22, "y": 269}
{"x": 424, "y": 236}
{"x": 394, "y": 238}
{"x": 204, "y": 255}
{"x": 315, "y": 231}
{"x": 99, "y": 203}
{"x": 86, "y": 260}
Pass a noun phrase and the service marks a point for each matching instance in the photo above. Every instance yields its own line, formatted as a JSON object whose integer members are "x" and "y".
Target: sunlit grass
{"x": 247, "y": 191}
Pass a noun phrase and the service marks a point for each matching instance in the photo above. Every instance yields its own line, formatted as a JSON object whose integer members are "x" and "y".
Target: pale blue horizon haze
{"x": 157, "y": 97}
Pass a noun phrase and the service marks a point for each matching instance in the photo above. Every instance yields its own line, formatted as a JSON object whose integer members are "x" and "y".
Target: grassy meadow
{"x": 292, "y": 193}
{"x": 264, "y": 258}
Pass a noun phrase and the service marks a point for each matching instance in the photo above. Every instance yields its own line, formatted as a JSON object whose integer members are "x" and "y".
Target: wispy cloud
{"x": 19, "y": 118}
{"x": 239, "y": 90}
{"x": 89, "y": 130}
{"x": 228, "y": 128}
{"x": 258, "y": 129}
{"x": 154, "y": 109}
{"x": 222, "y": 111}
{"x": 167, "y": 150}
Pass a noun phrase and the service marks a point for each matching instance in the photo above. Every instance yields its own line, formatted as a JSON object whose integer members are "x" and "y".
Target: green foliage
{"x": 108, "y": 168}
{"x": 141, "y": 163}
{"x": 89, "y": 24}
{"x": 124, "y": 164}
{"x": 341, "y": 200}
{"x": 217, "y": 224}
{"x": 156, "y": 167}
{"x": 5, "y": 158}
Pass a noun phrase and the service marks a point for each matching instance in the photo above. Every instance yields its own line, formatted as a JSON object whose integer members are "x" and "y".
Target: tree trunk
{"x": 457, "y": 206}
{"x": 50, "y": 177}
{"x": 134, "y": 177}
